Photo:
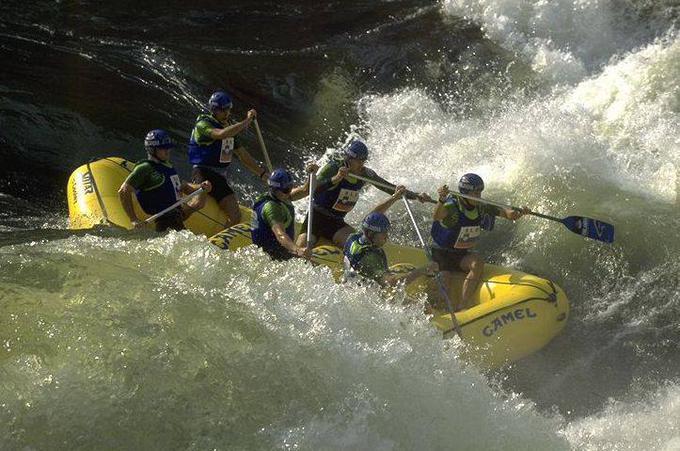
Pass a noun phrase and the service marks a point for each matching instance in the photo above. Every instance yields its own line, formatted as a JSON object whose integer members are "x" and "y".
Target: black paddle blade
{"x": 590, "y": 228}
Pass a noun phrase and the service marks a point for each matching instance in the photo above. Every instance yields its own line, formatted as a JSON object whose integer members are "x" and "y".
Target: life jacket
{"x": 356, "y": 248}
{"x": 165, "y": 193}
{"x": 340, "y": 199}
{"x": 262, "y": 233}
{"x": 215, "y": 153}
{"x": 465, "y": 233}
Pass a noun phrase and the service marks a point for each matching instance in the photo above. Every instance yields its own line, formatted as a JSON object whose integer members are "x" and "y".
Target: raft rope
{"x": 524, "y": 284}
{"x": 520, "y": 284}
{"x": 99, "y": 196}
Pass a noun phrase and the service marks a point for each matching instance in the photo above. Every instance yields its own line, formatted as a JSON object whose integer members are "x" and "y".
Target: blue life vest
{"x": 340, "y": 199}
{"x": 465, "y": 233}
{"x": 356, "y": 248}
{"x": 217, "y": 153}
{"x": 163, "y": 195}
{"x": 262, "y": 233}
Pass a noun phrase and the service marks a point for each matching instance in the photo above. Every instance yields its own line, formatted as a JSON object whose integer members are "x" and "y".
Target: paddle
{"x": 581, "y": 225}
{"x": 182, "y": 201}
{"x": 440, "y": 283}
{"x": 377, "y": 183}
{"x": 262, "y": 146}
{"x": 310, "y": 205}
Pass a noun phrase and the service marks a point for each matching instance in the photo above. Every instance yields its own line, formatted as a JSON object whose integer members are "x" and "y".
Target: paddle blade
{"x": 590, "y": 228}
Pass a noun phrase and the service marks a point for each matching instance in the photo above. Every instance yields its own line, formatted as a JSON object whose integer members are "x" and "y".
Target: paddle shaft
{"x": 258, "y": 132}
{"x": 580, "y": 225}
{"x": 442, "y": 288}
{"x": 182, "y": 201}
{"x": 375, "y": 182}
{"x": 465, "y": 196}
{"x": 310, "y": 205}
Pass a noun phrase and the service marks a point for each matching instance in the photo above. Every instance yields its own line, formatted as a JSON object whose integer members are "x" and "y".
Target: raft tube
{"x": 515, "y": 313}
{"x": 92, "y": 193}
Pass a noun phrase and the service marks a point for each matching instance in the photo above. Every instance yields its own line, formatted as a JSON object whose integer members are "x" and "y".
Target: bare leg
{"x": 447, "y": 279}
{"x": 341, "y": 236}
{"x": 474, "y": 266}
{"x": 229, "y": 205}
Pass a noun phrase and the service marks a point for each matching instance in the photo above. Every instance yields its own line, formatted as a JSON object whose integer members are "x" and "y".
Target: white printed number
{"x": 347, "y": 199}
{"x": 467, "y": 237}
{"x": 177, "y": 184}
{"x": 227, "y": 150}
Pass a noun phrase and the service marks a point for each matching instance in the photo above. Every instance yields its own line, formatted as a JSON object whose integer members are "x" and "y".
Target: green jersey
{"x": 363, "y": 257}
{"x": 277, "y": 213}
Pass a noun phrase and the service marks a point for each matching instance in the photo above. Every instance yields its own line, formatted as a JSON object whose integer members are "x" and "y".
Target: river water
{"x": 119, "y": 341}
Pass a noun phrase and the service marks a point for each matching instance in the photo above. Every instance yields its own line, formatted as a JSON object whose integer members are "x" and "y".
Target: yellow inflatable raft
{"x": 516, "y": 313}
{"x": 92, "y": 193}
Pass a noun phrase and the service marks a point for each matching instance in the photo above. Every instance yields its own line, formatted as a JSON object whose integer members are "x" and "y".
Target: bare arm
{"x": 370, "y": 173}
{"x": 386, "y": 204}
{"x": 233, "y": 130}
{"x": 439, "y": 210}
{"x": 300, "y": 192}
{"x": 512, "y": 214}
{"x": 251, "y": 163}
{"x": 285, "y": 241}
{"x": 125, "y": 195}
{"x": 230, "y": 131}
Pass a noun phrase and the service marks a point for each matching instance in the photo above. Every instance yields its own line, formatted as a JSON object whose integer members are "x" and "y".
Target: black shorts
{"x": 324, "y": 226}
{"x": 171, "y": 220}
{"x": 220, "y": 186}
{"x": 448, "y": 259}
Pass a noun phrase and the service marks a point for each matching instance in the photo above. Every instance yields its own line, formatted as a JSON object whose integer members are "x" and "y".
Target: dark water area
{"x": 85, "y": 79}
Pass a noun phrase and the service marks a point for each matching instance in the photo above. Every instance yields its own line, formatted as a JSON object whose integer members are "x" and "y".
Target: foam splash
{"x": 107, "y": 328}
{"x": 650, "y": 423}
{"x": 563, "y": 40}
{"x": 616, "y": 129}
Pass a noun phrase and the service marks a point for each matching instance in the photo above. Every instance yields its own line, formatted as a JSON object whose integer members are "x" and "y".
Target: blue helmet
{"x": 219, "y": 100}
{"x": 470, "y": 182}
{"x": 357, "y": 150}
{"x": 376, "y": 222}
{"x": 280, "y": 180}
{"x": 158, "y": 139}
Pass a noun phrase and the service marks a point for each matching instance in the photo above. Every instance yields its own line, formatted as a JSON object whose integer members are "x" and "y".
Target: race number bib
{"x": 227, "y": 150}
{"x": 177, "y": 184}
{"x": 347, "y": 199}
{"x": 467, "y": 237}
